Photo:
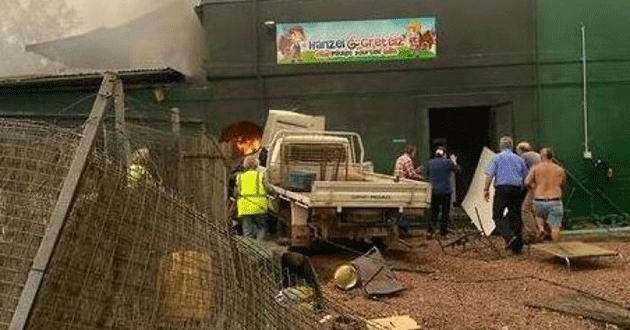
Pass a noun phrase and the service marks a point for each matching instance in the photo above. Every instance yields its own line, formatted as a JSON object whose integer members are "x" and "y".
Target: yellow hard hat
{"x": 345, "y": 277}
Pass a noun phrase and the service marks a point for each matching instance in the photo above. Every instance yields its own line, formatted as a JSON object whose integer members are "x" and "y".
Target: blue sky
{"x": 345, "y": 29}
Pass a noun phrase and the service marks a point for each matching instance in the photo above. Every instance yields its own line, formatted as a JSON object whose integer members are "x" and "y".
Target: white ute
{"x": 322, "y": 188}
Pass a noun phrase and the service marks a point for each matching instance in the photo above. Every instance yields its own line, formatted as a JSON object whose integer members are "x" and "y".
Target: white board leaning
{"x": 475, "y": 199}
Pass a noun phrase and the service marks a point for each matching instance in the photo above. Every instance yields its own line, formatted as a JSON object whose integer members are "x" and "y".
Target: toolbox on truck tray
{"x": 301, "y": 180}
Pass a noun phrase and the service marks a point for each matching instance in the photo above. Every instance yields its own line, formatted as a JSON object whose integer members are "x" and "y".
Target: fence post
{"x": 64, "y": 203}
{"x": 177, "y": 132}
{"x": 122, "y": 140}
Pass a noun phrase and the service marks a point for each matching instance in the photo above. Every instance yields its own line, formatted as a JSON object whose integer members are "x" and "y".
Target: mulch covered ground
{"x": 468, "y": 292}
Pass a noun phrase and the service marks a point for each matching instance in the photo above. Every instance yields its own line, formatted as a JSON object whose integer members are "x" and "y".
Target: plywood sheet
{"x": 475, "y": 199}
{"x": 573, "y": 250}
{"x": 397, "y": 323}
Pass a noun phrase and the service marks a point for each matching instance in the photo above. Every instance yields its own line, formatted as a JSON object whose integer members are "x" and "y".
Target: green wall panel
{"x": 45, "y": 103}
{"x": 560, "y": 106}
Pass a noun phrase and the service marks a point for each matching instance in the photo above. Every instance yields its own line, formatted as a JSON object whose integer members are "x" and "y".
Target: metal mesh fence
{"x": 131, "y": 257}
{"x": 34, "y": 160}
{"x": 137, "y": 256}
{"x": 163, "y": 147}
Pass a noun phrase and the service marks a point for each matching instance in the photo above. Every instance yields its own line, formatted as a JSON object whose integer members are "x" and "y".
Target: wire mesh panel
{"x": 191, "y": 164}
{"x": 204, "y": 174}
{"x": 132, "y": 257}
{"x": 132, "y": 254}
{"x": 34, "y": 160}
{"x": 164, "y": 153}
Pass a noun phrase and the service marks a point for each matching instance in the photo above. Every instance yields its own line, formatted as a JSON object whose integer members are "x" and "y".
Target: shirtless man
{"x": 547, "y": 180}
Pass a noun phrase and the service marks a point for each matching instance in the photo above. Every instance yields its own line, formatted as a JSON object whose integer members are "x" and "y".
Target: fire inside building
{"x": 457, "y": 72}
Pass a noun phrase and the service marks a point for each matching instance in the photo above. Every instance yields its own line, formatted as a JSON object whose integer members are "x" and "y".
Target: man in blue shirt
{"x": 508, "y": 171}
{"x": 439, "y": 171}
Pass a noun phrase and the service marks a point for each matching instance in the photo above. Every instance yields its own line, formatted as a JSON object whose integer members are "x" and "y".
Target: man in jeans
{"x": 546, "y": 180}
{"x": 439, "y": 171}
{"x": 252, "y": 203}
{"x": 508, "y": 171}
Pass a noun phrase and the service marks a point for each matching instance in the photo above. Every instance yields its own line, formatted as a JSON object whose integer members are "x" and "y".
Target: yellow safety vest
{"x": 252, "y": 195}
{"x": 135, "y": 174}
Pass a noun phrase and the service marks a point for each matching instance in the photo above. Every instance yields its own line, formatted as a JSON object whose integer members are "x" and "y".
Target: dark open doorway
{"x": 464, "y": 132}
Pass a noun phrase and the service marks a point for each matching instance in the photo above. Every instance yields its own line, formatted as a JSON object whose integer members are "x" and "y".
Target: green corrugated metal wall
{"x": 560, "y": 111}
{"x": 558, "y": 107}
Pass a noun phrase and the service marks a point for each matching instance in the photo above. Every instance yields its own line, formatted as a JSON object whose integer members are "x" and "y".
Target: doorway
{"x": 464, "y": 131}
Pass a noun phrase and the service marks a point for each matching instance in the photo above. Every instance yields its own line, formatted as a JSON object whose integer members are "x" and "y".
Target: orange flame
{"x": 248, "y": 146}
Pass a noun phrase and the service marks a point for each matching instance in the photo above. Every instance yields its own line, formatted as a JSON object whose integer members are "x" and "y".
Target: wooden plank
{"x": 595, "y": 308}
{"x": 64, "y": 203}
{"x": 404, "y": 322}
{"x": 573, "y": 250}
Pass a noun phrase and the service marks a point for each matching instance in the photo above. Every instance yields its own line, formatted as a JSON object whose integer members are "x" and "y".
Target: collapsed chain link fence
{"x": 147, "y": 255}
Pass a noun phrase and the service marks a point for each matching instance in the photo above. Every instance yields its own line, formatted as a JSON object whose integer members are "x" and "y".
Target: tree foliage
{"x": 30, "y": 21}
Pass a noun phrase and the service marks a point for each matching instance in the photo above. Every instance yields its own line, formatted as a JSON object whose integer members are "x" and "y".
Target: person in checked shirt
{"x": 404, "y": 168}
{"x": 404, "y": 164}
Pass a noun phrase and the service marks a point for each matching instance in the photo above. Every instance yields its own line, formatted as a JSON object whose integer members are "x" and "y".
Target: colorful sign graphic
{"x": 352, "y": 41}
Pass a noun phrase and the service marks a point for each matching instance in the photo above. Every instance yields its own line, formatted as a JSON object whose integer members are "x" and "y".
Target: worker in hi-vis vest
{"x": 252, "y": 203}
{"x": 138, "y": 170}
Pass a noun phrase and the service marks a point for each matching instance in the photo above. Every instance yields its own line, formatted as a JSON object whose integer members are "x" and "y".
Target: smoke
{"x": 96, "y": 14}
{"x": 142, "y": 34}
{"x": 28, "y": 21}
{"x": 123, "y": 34}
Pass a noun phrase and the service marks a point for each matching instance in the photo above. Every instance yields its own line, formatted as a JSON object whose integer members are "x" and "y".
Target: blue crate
{"x": 301, "y": 180}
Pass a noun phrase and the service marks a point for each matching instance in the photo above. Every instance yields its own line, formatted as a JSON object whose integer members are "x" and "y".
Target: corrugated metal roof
{"x": 150, "y": 75}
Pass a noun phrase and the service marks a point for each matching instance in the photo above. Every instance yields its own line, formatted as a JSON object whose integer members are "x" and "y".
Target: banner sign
{"x": 352, "y": 41}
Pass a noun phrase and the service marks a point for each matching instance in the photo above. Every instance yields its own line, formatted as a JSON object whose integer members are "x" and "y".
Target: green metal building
{"x": 503, "y": 67}
{"x": 559, "y": 96}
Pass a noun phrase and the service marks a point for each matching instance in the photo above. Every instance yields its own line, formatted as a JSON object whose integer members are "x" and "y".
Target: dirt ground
{"x": 468, "y": 292}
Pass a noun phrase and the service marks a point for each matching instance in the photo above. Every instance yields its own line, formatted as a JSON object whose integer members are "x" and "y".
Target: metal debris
{"x": 377, "y": 278}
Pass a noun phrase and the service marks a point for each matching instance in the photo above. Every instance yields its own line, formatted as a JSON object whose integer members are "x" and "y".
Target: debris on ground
{"x": 574, "y": 250}
{"x": 346, "y": 277}
{"x": 592, "y": 307}
{"x": 397, "y": 323}
{"x": 301, "y": 297}
{"x": 376, "y": 277}
{"x": 468, "y": 291}
{"x": 344, "y": 322}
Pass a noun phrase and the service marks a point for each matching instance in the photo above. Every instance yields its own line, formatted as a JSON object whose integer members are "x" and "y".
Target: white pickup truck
{"x": 322, "y": 188}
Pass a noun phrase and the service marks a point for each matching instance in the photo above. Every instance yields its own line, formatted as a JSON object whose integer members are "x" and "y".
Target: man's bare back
{"x": 547, "y": 179}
